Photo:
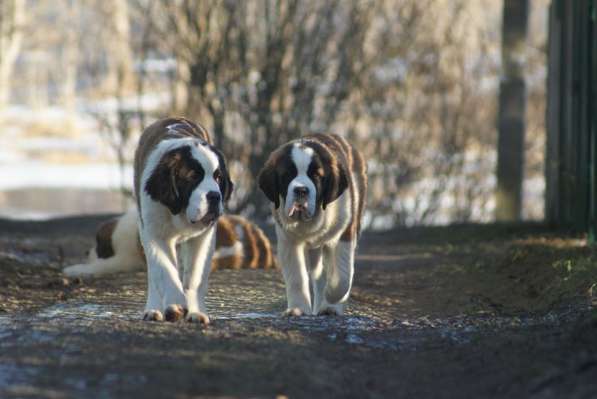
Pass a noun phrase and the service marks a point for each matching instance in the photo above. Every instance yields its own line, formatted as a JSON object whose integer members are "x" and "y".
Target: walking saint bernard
{"x": 317, "y": 185}
{"x": 181, "y": 182}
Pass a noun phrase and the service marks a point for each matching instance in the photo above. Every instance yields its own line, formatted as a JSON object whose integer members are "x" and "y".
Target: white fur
{"x": 301, "y": 156}
{"x": 312, "y": 250}
{"x": 292, "y": 258}
{"x": 161, "y": 231}
{"x": 197, "y": 265}
{"x": 235, "y": 249}
{"x": 126, "y": 254}
{"x": 172, "y": 128}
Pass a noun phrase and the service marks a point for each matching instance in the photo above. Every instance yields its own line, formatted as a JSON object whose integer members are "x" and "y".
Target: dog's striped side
{"x": 241, "y": 244}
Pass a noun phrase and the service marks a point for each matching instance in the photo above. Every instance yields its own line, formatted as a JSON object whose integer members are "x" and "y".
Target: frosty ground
{"x": 461, "y": 311}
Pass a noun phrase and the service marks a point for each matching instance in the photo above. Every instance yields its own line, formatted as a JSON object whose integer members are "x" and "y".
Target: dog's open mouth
{"x": 299, "y": 211}
{"x": 210, "y": 218}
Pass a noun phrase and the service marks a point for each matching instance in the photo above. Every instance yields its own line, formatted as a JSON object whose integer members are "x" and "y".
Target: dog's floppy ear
{"x": 226, "y": 185}
{"x": 268, "y": 180}
{"x": 162, "y": 184}
{"x": 335, "y": 181}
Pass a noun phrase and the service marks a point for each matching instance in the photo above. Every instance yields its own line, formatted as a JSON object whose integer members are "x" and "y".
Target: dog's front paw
{"x": 153, "y": 315}
{"x": 174, "y": 313}
{"x": 329, "y": 311}
{"x": 198, "y": 317}
{"x": 293, "y": 312}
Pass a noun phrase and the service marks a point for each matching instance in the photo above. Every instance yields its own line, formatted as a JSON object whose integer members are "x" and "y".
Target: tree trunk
{"x": 121, "y": 75}
{"x": 70, "y": 59}
{"x": 12, "y": 16}
{"x": 512, "y": 107}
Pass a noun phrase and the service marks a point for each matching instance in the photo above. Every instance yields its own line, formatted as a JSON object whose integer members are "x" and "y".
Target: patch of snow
{"x": 110, "y": 106}
{"x": 41, "y": 174}
{"x": 156, "y": 65}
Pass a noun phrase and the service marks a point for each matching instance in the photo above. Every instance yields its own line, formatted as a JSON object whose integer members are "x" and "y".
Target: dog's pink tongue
{"x": 296, "y": 208}
{"x": 292, "y": 211}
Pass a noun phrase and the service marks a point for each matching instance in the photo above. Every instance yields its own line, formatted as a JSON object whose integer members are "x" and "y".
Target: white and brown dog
{"x": 317, "y": 185}
{"x": 240, "y": 244}
{"x": 181, "y": 183}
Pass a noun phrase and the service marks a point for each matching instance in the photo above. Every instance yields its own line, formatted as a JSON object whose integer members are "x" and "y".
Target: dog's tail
{"x": 117, "y": 249}
{"x": 241, "y": 244}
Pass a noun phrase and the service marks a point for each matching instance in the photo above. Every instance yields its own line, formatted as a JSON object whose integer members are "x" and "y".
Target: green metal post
{"x": 592, "y": 231}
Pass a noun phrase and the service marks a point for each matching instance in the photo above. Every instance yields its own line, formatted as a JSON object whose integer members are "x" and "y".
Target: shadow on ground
{"x": 461, "y": 311}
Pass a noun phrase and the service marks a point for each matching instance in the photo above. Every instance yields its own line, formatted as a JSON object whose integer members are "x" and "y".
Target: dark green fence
{"x": 571, "y": 158}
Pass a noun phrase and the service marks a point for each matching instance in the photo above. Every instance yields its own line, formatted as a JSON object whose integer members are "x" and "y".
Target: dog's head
{"x": 303, "y": 176}
{"x": 192, "y": 178}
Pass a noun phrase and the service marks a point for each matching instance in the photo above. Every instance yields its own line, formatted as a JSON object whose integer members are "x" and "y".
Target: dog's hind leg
{"x": 318, "y": 274}
{"x": 339, "y": 265}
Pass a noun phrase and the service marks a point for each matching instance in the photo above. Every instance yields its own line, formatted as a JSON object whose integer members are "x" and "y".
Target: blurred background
{"x": 414, "y": 83}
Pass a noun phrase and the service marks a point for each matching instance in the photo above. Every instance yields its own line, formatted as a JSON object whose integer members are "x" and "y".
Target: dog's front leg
{"x": 197, "y": 265}
{"x": 338, "y": 262}
{"x": 317, "y": 275}
{"x": 291, "y": 257}
{"x": 164, "y": 289}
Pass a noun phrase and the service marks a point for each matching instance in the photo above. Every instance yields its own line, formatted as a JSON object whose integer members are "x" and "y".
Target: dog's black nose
{"x": 301, "y": 192}
{"x": 213, "y": 197}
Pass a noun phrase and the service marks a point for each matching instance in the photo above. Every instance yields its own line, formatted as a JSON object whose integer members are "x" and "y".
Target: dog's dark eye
{"x": 318, "y": 173}
{"x": 218, "y": 176}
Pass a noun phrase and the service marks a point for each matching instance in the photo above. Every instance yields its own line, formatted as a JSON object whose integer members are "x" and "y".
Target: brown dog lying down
{"x": 239, "y": 244}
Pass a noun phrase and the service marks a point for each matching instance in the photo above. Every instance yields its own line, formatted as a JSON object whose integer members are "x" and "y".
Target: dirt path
{"x": 470, "y": 311}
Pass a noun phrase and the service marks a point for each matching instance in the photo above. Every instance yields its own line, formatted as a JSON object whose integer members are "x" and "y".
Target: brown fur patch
{"x": 225, "y": 234}
{"x": 266, "y": 257}
{"x": 249, "y": 241}
{"x": 174, "y": 178}
{"x": 103, "y": 239}
{"x": 229, "y": 262}
{"x": 361, "y": 183}
{"x": 257, "y": 251}
{"x": 278, "y": 162}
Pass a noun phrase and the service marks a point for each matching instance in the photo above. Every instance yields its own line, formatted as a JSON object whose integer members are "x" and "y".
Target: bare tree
{"x": 265, "y": 71}
{"x": 511, "y": 119}
{"x": 412, "y": 82}
{"x": 116, "y": 42}
{"x": 117, "y": 132}
{"x": 70, "y": 59}
{"x": 12, "y": 19}
{"x": 430, "y": 154}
